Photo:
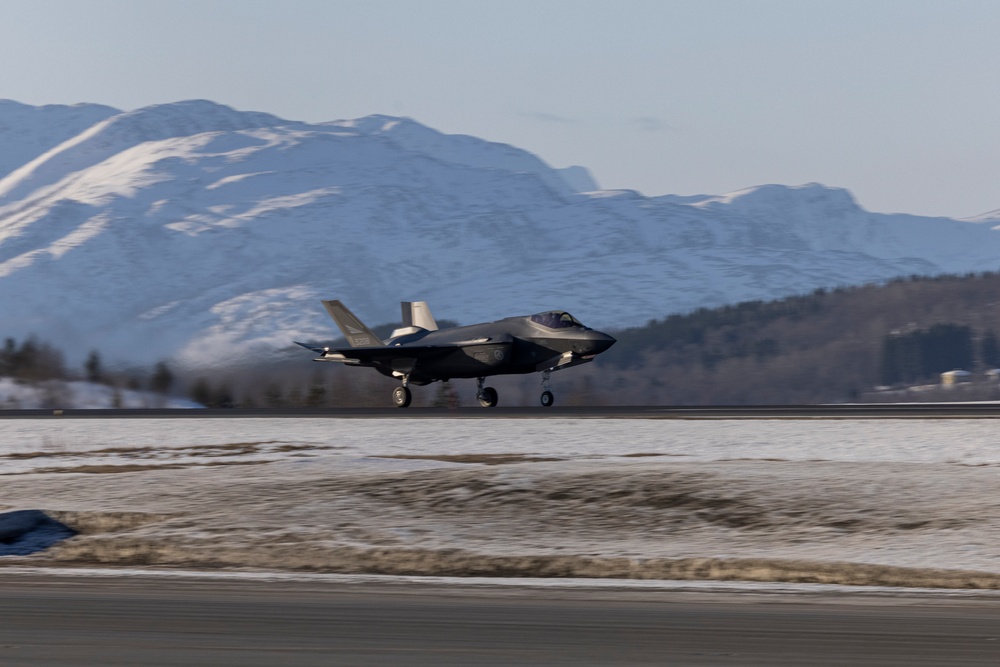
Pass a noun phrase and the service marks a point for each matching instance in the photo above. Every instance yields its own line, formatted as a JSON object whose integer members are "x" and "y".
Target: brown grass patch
{"x": 304, "y": 448}
{"x": 104, "y": 469}
{"x": 213, "y": 464}
{"x": 227, "y": 449}
{"x": 135, "y": 467}
{"x": 487, "y": 459}
{"x": 90, "y": 523}
{"x": 24, "y": 456}
{"x": 304, "y": 557}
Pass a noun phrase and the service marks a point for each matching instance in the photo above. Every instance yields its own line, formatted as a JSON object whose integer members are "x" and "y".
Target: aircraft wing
{"x": 314, "y": 348}
{"x": 396, "y": 357}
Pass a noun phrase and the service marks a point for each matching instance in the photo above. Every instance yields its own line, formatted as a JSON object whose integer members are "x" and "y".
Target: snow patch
{"x": 838, "y": 501}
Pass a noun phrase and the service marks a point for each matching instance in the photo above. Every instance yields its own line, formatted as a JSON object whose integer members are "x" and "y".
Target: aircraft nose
{"x": 597, "y": 342}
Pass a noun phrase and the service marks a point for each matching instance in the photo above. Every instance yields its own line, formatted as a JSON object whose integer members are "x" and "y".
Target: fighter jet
{"x": 419, "y": 353}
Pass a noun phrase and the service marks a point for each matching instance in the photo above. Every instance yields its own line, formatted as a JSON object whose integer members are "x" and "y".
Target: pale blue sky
{"x": 896, "y": 100}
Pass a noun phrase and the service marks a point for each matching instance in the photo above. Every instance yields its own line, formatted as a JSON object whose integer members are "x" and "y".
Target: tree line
{"x": 33, "y": 360}
{"x": 909, "y": 357}
{"x": 825, "y": 346}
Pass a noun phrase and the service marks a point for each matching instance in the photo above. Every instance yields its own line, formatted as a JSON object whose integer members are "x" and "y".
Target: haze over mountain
{"x": 197, "y": 232}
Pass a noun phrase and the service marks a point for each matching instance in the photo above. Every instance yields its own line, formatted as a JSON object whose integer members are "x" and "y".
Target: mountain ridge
{"x": 200, "y": 233}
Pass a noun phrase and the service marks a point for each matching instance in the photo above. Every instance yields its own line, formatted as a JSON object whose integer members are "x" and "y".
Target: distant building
{"x": 957, "y": 376}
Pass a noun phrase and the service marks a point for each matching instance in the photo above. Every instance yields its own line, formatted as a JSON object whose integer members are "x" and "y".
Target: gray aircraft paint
{"x": 420, "y": 353}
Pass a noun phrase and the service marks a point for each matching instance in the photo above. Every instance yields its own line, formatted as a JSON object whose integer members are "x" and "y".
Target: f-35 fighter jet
{"x": 419, "y": 353}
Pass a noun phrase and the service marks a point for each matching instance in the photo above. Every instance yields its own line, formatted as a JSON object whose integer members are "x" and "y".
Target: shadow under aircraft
{"x": 419, "y": 353}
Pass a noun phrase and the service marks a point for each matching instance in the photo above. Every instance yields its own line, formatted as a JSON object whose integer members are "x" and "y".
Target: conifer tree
{"x": 990, "y": 350}
{"x": 95, "y": 373}
{"x": 163, "y": 378}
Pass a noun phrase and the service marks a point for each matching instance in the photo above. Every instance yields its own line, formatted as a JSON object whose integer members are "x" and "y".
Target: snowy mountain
{"x": 27, "y": 132}
{"x": 198, "y": 232}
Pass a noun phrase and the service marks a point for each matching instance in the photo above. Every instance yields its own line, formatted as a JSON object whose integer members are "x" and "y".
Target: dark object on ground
{"x": 25, "y": 532}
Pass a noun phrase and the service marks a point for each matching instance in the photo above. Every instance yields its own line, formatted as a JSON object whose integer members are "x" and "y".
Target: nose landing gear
{"x": 547, "y": 397}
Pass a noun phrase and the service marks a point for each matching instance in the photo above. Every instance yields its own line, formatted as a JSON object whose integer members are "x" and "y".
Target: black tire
{"x": 401, "y": 397}
{"x": 547, "y": 399}
{"x": 489, "y": 397}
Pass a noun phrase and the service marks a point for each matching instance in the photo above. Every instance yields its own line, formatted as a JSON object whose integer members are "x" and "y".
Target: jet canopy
{"x": 556, "y": 319}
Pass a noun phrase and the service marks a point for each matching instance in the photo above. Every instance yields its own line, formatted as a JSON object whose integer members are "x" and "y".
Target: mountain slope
{"x": 27, "y": 131}
{"x": 204, "y": 233}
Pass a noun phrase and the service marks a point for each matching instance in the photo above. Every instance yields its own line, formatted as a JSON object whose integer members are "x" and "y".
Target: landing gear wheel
{"x": 547, "y": 399}
{"x": 488, "y": 397}
{"x": 401, "y": 397}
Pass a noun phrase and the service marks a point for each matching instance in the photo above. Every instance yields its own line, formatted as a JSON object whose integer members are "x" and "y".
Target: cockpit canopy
{"x": 556, "y": 319}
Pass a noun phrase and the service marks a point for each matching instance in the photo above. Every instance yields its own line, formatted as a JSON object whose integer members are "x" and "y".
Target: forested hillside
{"x": 826, "y": 346}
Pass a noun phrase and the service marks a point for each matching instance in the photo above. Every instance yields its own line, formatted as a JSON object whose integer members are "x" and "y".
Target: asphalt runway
{"x": 836, "y": 411}
{"x": 132, "y": 620}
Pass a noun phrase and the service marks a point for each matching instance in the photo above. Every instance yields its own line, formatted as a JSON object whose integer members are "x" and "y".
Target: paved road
{"x": 85, "y": 621}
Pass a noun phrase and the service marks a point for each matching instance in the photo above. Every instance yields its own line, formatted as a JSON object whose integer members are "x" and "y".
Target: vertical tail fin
{"x": 354, "y": 330}
{"x": 418, "y": 314}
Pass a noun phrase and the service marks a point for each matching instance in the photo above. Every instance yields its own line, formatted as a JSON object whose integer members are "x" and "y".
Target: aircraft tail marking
{"x": 354, "y": 330}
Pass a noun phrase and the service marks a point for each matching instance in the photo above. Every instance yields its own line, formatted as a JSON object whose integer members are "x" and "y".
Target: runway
{"x": 834, "y": 411}
{"x": 84, "y": 621}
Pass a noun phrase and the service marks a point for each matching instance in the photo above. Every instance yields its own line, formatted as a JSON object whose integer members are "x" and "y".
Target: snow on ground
{"x": 952, "y": 441}
{"x": 791, "y": 500}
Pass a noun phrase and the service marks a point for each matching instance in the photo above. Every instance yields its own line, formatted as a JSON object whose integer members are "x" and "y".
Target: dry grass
{"x": 227, "y": 449}
{"x": 151, "y": 456}
{"x": 92, "y": 523}
{"x": 304, "y": 448}
{"x": 287, "y": 556}
{"x": 487, "y": 459}
{"x": 104, "y": 469}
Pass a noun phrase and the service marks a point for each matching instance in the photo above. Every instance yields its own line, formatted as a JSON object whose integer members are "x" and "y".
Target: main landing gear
{"x": 401, "y": 395}
{"x": 487, "y": 396}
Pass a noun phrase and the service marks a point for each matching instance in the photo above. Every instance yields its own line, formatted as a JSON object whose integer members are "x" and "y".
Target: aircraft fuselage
{"x": 514, "y": 345}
